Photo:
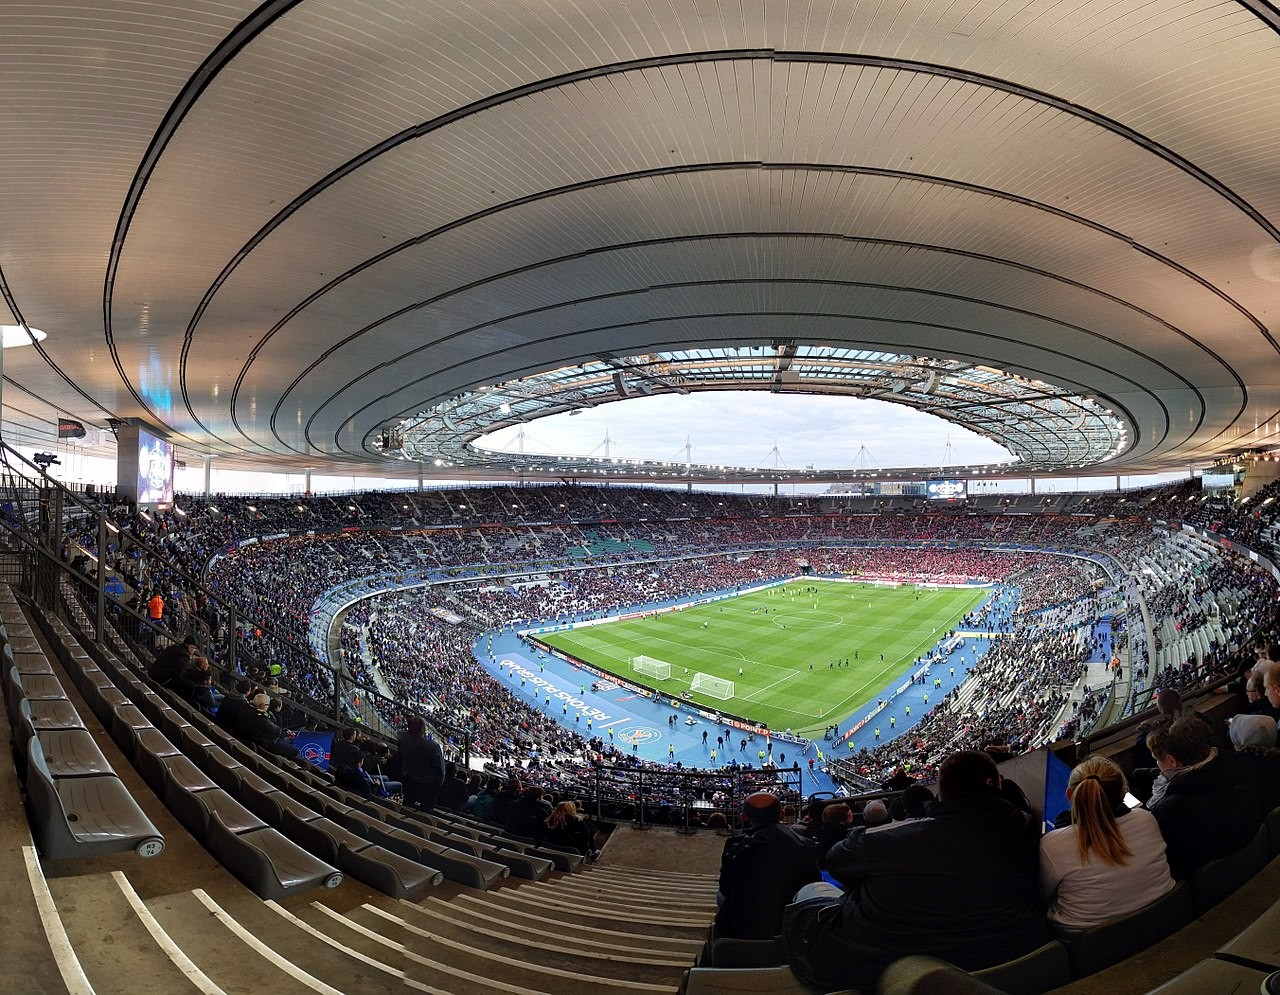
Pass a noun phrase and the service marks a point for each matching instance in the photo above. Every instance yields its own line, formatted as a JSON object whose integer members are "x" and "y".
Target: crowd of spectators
{"x": 591, "y": 551}
{"x": 991, "y": 876}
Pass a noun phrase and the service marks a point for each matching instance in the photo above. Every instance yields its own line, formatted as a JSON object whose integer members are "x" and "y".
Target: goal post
{"x": 659, "y": 670}
{"x": 712, "y": 687}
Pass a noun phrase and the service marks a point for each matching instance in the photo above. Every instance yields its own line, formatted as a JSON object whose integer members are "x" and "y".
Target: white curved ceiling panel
{"x": 272, "y": 228}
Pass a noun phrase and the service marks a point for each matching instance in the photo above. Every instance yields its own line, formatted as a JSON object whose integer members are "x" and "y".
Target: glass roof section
{"x": 1046, "y": 428}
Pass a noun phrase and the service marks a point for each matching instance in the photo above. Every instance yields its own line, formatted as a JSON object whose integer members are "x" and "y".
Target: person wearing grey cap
{"x": 760, "y": 870}
{"x": 260, "y": 729}
{"x": 1253, "y": 738}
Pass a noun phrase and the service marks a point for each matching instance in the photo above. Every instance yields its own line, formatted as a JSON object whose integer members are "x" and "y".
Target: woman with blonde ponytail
{"x": 1109, "y": 862}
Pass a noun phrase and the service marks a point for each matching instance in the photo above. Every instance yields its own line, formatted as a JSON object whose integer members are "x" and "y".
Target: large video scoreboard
{"x": 946, "y": 490}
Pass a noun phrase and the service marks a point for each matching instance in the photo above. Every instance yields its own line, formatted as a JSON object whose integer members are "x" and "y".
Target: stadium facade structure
{"x": 276, "y": 231}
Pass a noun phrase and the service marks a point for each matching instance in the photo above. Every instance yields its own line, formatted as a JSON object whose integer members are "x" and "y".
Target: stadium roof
{"x": 302, "y": 234}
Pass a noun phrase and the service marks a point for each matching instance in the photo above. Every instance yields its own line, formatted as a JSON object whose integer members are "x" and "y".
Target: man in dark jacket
{"x": 761, "y": 870}
{"x": 235, "y": 708}
{"x": 344, "y": 752}
{"x": 421, "y": 766}
{"x": 527, "y": 815}
{"x": 1206, "y": 809}
{"x": 260, "y": 729}
{"x": 171, "y": 663}
{"x": 960, "y": 885}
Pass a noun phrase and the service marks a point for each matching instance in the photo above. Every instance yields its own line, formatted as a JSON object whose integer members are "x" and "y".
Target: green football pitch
{"x": 773, "y": 636}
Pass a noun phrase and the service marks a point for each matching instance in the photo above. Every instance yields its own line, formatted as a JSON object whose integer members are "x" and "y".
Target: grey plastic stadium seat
{"x": 149, "y": 749}
{"x": 491, "y": 845}
{"x": 72, "y": 753}
{"x": 923, "y": 975}
{"x": 522, "y": 865}
{"x": 723, "y": 951}
{"x": 1040, "y": 970}
{"x": 171, "y": 723}
{"x": 1102, "y": 946}
{"x": 1212, "y": 882}
{"x": 38, "y": 687}
{"x": 270, "y": 806}
{"x": 13, "y": 693}
{"x": 721, "y": 981}
{"x": 473, "y": 871}
{"x": 59, "y": 714}
{"x": 1256, "y": 945}
{"x": 1273, "y": 833}
{"x": 147, "y": 739}
{"x": 268, "y": 864}
{"x": 460, "y": 843}
{"x": 563, "y": 858}
{"x": 246, "y": 780}
{"x": 274, "y": 776}
{"x": 194, "y": 743}
{"x": 76, "y": 661}
{"x": 104, "y": 701}
{"x": 221, "y": 766}
{"x": 180, "y": 774}
{"x": 247, "y": 756}
{"x": 196, "y": 809}
{"x": 221, "y": 738}
{"x": 125, "y": 718}
{"x": 85, "y": 816}
{"x": 30, "y": 662}
{"x": 97, "y": 678}
{"x": 389, "y": 872}
{"x": 152, "y": 705}
{"x": 1213, "y": 976}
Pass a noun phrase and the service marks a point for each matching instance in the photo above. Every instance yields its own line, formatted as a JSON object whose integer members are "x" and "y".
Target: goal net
{"x": 657, "y": 669}
{"x": 713, "y": 687}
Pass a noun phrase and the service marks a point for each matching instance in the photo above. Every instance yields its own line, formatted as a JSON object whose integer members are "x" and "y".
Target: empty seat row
{"x": 219, "y": 787}
{"x": 267, "y": 862}
{"x": 476, "y": 857}
{"x": 76, "y": 803}
{"x": 475, "y": 863}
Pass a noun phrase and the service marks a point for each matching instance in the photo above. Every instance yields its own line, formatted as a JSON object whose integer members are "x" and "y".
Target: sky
{"x": 757, "y": 429}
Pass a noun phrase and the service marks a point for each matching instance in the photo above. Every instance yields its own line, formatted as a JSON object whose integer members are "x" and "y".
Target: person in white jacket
{"x": 1109, "y": 862}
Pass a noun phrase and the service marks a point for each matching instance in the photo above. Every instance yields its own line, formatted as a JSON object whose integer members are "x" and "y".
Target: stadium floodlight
{"x": 659, "y": 670}
{"x": 712, "y": 687}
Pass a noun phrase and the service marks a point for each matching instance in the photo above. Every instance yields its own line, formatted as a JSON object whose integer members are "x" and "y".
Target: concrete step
{"x": 648, "y": 874}
{"x": 420, "y": 970}
{"x": 536, "y": 923}
{"x": 680, "y": 941}
{"x": 226, "y": 957}
{"x": 552, "y": 945}
{"x": 609, "y": 902}
{"x": 433, "y": 957}
{"x": 584, "y": 887}
{"x": 338, "y": 970}
{"x": 116, "y": 950}
{"x": 526, "y": 900}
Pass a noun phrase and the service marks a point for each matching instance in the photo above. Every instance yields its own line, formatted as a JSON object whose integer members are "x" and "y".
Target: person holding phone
{"x": 1109, "y": 861}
